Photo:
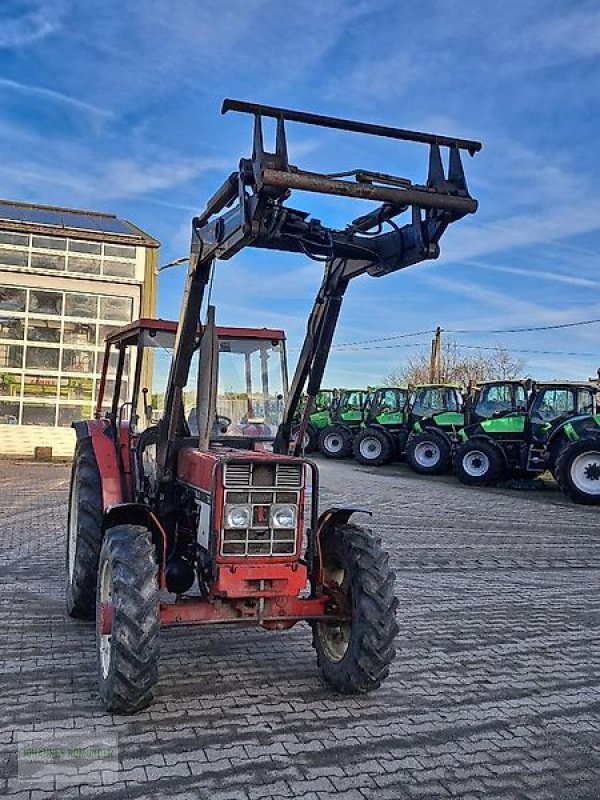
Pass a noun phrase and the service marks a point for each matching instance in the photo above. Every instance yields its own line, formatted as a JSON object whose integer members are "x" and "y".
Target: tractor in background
{"x": 319, "y": 418}
{"x": 346, "y": 413}
{"x": 524, "y": 432}
{"x": 170, "y": 527}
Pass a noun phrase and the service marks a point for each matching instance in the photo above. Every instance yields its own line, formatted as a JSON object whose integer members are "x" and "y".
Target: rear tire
{"x": 578, "y": 471}
{"x": 335, "y": 442}
{"x": 372, "y": 447}
{"x": 479, "y": 463}
{"x": 429, "y": 453}
{"x": 355, "y": 656}
{"x": 84, "y": 532}
{"x": 127, "y": 658}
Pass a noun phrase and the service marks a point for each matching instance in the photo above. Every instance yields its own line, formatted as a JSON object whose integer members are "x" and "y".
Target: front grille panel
{"x": 256, "y": 484}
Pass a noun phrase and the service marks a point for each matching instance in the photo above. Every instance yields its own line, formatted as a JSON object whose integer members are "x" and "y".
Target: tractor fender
{"x": 107, "y": 458}
{"x": 342, "y": 425}
{"x": 138, "y": 514}
{"x": 481, "y": 437}
{"x": 381, "y": 428}
{"x": 338, "y": 515}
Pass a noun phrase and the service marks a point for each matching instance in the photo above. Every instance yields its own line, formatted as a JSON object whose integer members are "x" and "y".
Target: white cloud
{"x": 20, "y": 27}
{"x": 53, "y": 96}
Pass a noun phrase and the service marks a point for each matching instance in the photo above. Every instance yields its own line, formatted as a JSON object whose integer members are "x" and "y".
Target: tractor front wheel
{"x": 127, "y": 619}
{"x": 310, "y": 437}
{"x": 355, "y": 656}
{"x": 479, "y": 463}
{"x": 578, "y": 471}
{"x": 428, "y": 453}
{"x": 84, "y": 532}
{"x": 373, "y": 447}
{"x": 335, "y": 442}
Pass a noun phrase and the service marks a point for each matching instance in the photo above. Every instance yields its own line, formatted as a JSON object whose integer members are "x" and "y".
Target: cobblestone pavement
{"x": 494, "y": 692}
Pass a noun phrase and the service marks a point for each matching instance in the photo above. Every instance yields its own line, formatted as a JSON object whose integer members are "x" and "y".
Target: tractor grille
{"x": 259, "y": 486}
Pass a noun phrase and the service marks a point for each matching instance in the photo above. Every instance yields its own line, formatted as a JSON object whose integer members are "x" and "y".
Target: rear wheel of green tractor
{"x": 127, "y": 619}
{"x": 355, "y": 656}
{"x": 335, "y": 442}
{"x": 310, "y": 437}
{"x": 428, "y": 453}
{"x": 372, "y": 446}
{"x": 578, "y": 471}
{"x": 479, "y": 463}
{"x": 84, "y": 532}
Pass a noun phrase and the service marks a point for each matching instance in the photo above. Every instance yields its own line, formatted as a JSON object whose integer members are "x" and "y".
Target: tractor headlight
{"x": 237, "y": 516}
{"x": 283, "y": 516}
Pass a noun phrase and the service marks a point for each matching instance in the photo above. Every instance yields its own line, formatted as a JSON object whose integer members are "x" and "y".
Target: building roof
{"x": 72, "y": 222}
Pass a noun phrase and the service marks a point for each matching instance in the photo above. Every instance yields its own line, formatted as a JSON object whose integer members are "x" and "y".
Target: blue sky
{"x": 114, "y": 105}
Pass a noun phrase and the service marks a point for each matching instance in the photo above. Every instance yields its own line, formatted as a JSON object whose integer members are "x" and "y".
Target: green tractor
{"x": 347, "y": 413}
{"x": 393, "y": 420}
{"x": 436, "y": 417}
{"x": 385, "y": 418}
{"x": 319, "y": 418}
{"x": 520, "y": 430}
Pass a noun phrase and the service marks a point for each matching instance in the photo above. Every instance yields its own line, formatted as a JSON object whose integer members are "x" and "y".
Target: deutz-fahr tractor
{"x": 435, "y": 407}
{"x": 319, "y": 418}
{"x": 434, "y": 441}
{"x": 346, "y": 416}
{"x": 169, "y": 527}
{"x": 521, "y": 429}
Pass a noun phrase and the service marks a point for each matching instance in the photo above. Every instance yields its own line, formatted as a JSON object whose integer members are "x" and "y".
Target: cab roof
{"x": 128, "y": 333}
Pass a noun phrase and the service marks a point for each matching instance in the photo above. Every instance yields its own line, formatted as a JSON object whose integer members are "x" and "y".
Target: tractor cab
{"x": 430, "y": 400}
{"x": 495, "y": 399}
{"x": 556, "y": 403}
{"x": 251, "y": 382}
{"x": 347, "y": 414}
{"x": 386, "y": 405}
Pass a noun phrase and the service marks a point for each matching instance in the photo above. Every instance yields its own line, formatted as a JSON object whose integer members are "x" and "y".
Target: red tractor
{"x": 189, "y": 504}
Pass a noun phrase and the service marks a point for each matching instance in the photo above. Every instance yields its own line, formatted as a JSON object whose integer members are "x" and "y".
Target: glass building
{"x": 67, "y": 278}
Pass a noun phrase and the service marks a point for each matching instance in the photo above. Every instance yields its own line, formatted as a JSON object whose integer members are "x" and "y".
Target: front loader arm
{"x": 248, "y": 210}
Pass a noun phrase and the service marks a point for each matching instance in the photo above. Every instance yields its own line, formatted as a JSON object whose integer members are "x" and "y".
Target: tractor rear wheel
{"x": 578, "y": 471}
{"x": 428, "y": 453}
{"x": 355, "y": 656}
{"x": 310, "y": 437}
{"x": 479, "y": 463}
{"x": 127, "y": 619}
{"x": 372, "y": 446}
{"x": 84, "y": 532}
{"x": 335, "y": 442}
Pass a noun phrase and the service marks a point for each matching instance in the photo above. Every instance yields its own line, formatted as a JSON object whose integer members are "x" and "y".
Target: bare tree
{"x": 460, "y": 365}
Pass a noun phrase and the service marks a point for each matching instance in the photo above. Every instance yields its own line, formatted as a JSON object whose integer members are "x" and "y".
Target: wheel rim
{"x": 72, "y": 532}
{"x": 335, "y": 637}
{"x": 427, "y": 454}
{"x": 105, "y": 644}
{"x": 585, "y": 472}
{"x": 370, "y": 447}
{"x": 476, "y": 463}
{"x": 333, "y": 443}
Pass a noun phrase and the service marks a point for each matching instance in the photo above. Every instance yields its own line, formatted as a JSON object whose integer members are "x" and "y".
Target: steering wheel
{"x": 222, "y": 423}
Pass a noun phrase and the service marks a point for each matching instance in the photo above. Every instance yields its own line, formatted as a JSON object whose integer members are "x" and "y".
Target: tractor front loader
{"x": 178, "y": 524}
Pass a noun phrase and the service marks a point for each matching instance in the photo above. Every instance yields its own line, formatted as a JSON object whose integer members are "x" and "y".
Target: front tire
{"x": 578, "y": 471}
{"x": 428, "y": 453}
{"x": 310, "y": 437}
{"x": 127, "y": 655}
{"x": 479, "y": 463}
{"x": 355, "y": 656}
{"x": 335, "y": 442}
{"x": 372, "y": 447}
{"x": 84, "y": 532}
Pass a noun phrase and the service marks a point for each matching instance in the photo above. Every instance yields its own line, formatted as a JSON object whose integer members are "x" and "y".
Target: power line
{"x": 482, "y": 331}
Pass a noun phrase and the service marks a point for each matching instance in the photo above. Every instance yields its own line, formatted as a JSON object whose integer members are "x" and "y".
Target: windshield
{"x": 389, "y": 401}
{"x": 432, "y": 400}
{"x": 550, "y": 404}
{"x": 252, "y": 386}
{"x": 497, "y": 399}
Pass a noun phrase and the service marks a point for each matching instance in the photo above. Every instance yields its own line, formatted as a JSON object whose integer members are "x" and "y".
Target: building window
{"x": 41, "y": 302}
{"x": 12, "y": 328}
{"x": 87, "y": 266}
{"x": 48, "y": 261}
{"x": 17, "y": 239}
{"x": 39, "y": 414}
{"x": 41, "y": 358}
{"x": 14, "y": 258}
{"x": 77, "y": 246}
{"x": 11, "y": 356}
{"x": 80, "y": 305}
{"x": 12, "y": 299}
{"x": 115, "y": 308}
{"x": 49, "y": 242}
{"x": 40, "y": 330}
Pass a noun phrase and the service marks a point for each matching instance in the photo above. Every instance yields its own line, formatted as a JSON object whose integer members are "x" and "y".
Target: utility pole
{"x": 435, "y": 363}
